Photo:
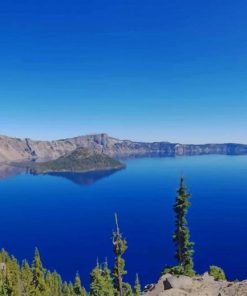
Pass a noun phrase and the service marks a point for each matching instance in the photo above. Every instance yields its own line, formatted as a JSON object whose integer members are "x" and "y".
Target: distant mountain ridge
{"x": 15, "y": 149}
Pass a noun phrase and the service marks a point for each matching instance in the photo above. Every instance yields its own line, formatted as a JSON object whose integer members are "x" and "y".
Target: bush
{"x": 217, "y": 272}
{"x": 178, "y": 270}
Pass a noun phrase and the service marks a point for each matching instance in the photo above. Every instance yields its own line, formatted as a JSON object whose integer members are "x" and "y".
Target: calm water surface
{"x": 70, "y": 217}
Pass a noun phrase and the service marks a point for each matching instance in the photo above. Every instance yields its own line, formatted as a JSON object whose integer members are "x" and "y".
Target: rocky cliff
{"x": 205, "y": 285}
{"x": 14, "y": 149}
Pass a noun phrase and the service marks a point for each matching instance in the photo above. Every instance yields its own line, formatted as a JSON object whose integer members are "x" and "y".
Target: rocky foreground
{"x": 205, "y": 285}
{"x": 14, "y": 149}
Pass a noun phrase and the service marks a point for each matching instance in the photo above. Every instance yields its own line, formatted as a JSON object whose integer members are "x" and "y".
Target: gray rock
{"x": 174, "y": 292}
{"x": 197, "y": 286}
{"x": 178, "y": 282}
{"x": 208, "y": 278}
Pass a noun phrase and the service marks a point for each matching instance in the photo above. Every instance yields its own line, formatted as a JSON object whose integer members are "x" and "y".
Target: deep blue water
{"x": 71, "y": 217}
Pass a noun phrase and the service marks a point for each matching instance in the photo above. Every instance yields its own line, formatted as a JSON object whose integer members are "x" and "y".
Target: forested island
{"x": 178, "y": 280}
{"x": 79, "y": 160}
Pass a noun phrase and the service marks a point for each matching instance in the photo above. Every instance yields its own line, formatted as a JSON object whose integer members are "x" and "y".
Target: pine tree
{"x": 38, "y": 277}
{"x": 181, "y": 235}
{"x": 77, "y": 288}
{"x": 96, "y": 281}
{"x": 53, "y": 283}
{"x": 26, "y": 277}
{"x": 67, "y": 289}
{"x": 108, "y": 282}
{"x": 4, "y": 289}
{"x": 12, "y": 277}
{"x": 137, "y": 287}
{"x": 127, "y": 290}
{"x": 84, "y": 292}
{"x": 101, "y": 281}
{"x": 119, "y": 248}
{"x": 7, "y": 288}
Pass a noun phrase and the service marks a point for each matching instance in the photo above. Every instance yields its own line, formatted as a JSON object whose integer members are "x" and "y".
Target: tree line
{"x": 34, "y": 280}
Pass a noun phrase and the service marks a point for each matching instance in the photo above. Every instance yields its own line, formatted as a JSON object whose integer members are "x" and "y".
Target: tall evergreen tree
{"x": 78, "y": 289}
{"x": 4, "y": 275}
{"x": 108, "y": 280}
{"x": 77, "y": 285}
{"x": 119, "y": 248}
{"x": 26, "y": 277}
{"x": 181, "y": 235}
{"x": 7, "y": 288}
{"x": 12, "y": 277}
{"x": 67, "y": 289}
{"x": 101, "y": 281}
{"x": 96, "y": 281}
{"x": 9, "y": 285}
{"x": 53, "y": 283}
{"x": 38, "y": 277}
{"x": 137, "y": 287}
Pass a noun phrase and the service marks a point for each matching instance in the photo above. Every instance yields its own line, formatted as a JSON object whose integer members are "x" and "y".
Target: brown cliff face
{"x": 14, "y": 149}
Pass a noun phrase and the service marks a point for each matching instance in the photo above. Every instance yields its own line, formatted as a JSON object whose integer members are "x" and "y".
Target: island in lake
{"x": 80, "y": 160}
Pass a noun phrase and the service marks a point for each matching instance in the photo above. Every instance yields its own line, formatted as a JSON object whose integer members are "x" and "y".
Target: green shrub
{"x": 178, "y": 270}
{"x": 217, "y": 272}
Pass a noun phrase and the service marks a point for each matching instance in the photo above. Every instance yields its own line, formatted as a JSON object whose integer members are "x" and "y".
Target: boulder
{"x": 178, "y": 282}
{"x": 207, "y": 278}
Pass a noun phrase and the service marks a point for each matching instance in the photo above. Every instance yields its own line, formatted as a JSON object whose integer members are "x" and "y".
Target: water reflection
{"x": 7, "y": 171}
{"x": 87, "y": 178}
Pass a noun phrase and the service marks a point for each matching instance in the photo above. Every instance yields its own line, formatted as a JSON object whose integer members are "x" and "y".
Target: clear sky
{"x": 140, "y": 69}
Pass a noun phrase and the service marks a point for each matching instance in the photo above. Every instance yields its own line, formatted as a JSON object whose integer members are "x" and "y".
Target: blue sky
{"x": 144, "y": 70}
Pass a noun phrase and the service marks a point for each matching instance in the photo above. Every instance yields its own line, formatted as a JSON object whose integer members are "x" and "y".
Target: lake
{"x": 70, "y": 217}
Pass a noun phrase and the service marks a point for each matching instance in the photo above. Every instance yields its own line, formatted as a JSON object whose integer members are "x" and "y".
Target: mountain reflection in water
{"x": 86, "y": 178}
{"x": 7, "y": 171}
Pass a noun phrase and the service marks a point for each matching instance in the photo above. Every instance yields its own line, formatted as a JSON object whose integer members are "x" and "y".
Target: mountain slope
{"x": 14, "y": 149}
